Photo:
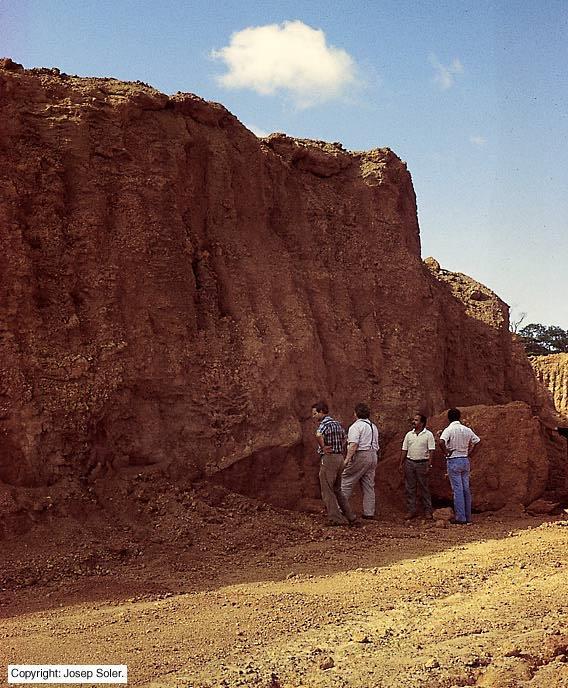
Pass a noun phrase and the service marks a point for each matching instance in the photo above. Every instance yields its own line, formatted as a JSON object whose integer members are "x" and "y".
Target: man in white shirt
{"x": 360, "y": 463}
{"x": 416, "y": 460}
{"x": 458, "y": 443}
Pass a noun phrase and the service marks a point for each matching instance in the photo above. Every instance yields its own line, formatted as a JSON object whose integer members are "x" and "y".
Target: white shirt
{"x": 365, "y": 434}
{"x": 418, "y": 445}
{"x": 457, "y": 438}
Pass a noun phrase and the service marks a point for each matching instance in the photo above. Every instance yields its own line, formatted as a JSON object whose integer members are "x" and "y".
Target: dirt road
{"x": 385, "y": 605}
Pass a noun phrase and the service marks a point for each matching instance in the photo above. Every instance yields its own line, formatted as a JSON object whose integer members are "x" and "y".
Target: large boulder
{"x": 510, "y": 467}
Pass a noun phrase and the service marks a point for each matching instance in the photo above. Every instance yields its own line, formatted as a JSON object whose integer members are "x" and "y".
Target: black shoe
{"x": 369, "y": 518}
{"x": 458, "y": 523}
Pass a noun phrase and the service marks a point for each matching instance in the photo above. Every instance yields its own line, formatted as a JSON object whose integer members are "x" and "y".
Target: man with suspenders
{"x": 360, "y": 464}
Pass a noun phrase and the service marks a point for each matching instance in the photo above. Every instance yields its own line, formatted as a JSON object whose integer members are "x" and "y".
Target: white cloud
{"x": 445, "y": 76}
{"x": 290, "y": 58}
{"x": 478, "y": 140}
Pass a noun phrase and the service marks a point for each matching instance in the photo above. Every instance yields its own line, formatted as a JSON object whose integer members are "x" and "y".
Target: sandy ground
{"x": 276, "y": 599}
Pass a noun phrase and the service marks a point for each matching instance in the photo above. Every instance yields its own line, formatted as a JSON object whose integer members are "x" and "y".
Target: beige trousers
{"x": 330, "y": 483}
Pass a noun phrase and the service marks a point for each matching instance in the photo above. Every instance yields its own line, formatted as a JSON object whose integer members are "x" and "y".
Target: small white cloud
{"x": 257, "y": 131}
{"x": 290, "y": 58}
{"x": 478, "y": 140}
{"x": 445, "y": 76}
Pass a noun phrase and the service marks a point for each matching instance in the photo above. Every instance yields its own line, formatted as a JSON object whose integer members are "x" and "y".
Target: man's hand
{"x": 327, "y": 449}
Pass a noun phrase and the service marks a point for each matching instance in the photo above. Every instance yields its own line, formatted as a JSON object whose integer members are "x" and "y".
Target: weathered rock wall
{"x": 552, "y": 372}
{"x": 175, "y": 293}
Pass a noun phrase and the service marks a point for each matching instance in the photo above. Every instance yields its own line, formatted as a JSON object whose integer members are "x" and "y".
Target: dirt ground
{"x": 248, "y": 595}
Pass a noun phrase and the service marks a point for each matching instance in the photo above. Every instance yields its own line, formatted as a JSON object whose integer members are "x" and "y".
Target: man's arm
{"x": 326, "y": 448}
{"x": 351, "y": 449}
{"x": 353, "y": 437}
{"x": 472, "y": 448}
{"x": 445, "y": 452}
{"x": 431, "y": 448}
{"x": 404, "y": 451}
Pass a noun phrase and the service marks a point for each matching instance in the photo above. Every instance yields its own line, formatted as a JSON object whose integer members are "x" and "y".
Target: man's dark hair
{"x": 362, "y": 411}
{"x": 423, "y": 418}
{"x": 454, "y": 414}
{"x": 320, "y": 407}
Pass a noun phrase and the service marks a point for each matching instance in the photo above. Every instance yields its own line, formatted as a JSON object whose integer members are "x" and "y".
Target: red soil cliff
{"x": 552, "y": 372}
{"x": 176, "y": 293}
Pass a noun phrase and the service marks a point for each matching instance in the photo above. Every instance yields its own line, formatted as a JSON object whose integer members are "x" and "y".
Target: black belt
{"x": 451, "y": 458}
{"x": 418, "y": 460}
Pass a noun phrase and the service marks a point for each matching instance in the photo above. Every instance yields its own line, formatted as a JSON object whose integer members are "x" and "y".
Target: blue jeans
{"x": 458, "y": 473}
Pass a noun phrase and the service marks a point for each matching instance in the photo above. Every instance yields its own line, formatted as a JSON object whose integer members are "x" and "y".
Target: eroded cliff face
{"x": 552, "y": 372}
{"x": 176, "y": 293}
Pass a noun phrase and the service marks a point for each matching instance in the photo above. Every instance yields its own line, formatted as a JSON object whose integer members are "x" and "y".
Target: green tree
{"x": 540, "y": 340}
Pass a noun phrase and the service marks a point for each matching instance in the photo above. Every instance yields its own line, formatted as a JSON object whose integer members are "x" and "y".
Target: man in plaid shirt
{"x": 330, "y": 437}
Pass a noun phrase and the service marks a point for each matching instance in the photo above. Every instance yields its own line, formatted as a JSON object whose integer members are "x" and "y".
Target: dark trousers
{"x": 416, "y": 476}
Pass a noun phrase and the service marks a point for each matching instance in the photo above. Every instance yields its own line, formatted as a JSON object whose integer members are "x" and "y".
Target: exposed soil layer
{"x": 175, "y": 293}
{"x": 269, "y": 598}
{"x": 552, "y": 371}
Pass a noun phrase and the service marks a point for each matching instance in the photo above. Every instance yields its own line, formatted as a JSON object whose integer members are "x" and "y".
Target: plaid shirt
{"x": 333, "y": 435}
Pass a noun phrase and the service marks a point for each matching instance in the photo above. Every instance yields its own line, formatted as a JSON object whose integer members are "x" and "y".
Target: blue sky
{"x": 473, "y": 95}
